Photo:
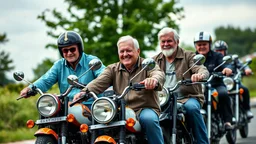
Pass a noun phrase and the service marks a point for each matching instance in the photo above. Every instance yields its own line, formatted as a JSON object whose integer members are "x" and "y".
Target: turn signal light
{"x": 241, "y": 91}
{"x": 215, "y": 94}
{"x": 70, "y": 118}
{"x": 130, "y": 122}
{"x": 30, "y": 123}
{"x": 84, "y": 128}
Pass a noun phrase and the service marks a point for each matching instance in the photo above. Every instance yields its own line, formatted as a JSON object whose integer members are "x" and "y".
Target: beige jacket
{"x": 183, "y": 61}
{"x": 117, "y": 76}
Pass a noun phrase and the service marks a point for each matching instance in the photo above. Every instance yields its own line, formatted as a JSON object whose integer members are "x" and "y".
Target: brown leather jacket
{"x": 183, "y": 61}
{"x": 117, "y": 76}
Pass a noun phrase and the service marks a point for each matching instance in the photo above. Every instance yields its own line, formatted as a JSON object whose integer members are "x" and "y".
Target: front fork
{"x": 63, "y": 135}
{"x": 174, "y": 119}
{"x": 237, "y": 102}
{"x": 209, "y": 109}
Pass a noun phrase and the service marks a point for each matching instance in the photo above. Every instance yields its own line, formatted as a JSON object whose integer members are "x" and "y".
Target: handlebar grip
{"x": 138, "y": 86}
{"x": 84, "y": 97}
{"x": 31, "y": 93}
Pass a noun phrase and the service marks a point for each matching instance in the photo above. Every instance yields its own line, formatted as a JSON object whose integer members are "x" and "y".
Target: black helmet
{"x": 220, "y": 45}
{"x": 70, "y": 38}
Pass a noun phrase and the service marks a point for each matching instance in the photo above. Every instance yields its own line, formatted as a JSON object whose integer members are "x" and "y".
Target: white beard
{"x": 168, "y": 52}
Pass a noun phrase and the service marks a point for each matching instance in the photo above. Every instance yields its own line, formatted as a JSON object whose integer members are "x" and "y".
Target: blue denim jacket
{"x": 59, "y": 72}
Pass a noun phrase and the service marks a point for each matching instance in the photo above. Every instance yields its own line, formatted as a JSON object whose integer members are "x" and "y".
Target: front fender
{"x": 46, "y": 131}
{"x": 105, "y": 138}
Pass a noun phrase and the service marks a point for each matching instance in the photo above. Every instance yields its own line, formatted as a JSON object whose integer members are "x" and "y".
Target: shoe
{"x": 228, "y": 126}
{"x": 249, "y": 114}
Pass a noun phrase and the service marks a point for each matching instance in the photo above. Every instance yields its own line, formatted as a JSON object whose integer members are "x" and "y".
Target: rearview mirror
{"x": 18, "y": 76}
{"x": 72, "y": 79}
{"x": 199, "y": 59}
{"x": 148, "y": 64}
{"x": 95, "y": 64}
{"x": 227, "y": 59}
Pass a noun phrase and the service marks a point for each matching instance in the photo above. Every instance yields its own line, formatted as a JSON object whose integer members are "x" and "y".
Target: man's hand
{"x": 78, "y": 95}
{"x": 227, "y": 71}
{"x": 197, "y": 77}
{"x": 24, "y": 92}
{"x": 150, "y": 83}
{"x": 248, "y": 71}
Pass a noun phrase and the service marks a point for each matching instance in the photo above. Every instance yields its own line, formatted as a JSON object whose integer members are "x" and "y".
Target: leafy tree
{"x": 102, "y": 22}
{"x": 42, "y": 68}
{"x": 5, "y": 62}
{"x": 241, "y": 42}
{"x": 187, "y": 47}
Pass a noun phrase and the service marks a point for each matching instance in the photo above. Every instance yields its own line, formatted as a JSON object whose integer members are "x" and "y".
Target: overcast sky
{"x": 27, "y": 34}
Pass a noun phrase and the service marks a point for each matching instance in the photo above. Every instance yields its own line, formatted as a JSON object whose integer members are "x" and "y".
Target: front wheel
{"x": 45, "y": 139}
{"x": 244, "y": 130}
{"x": 231, "y": 136}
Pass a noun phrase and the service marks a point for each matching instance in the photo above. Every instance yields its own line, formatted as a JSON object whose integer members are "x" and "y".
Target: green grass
{"x": 17, "y": 135}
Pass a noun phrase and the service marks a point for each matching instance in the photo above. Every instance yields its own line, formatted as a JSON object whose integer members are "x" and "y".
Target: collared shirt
{"x": 59, "y": 72}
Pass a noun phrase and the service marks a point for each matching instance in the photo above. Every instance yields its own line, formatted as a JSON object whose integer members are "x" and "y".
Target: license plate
{"x": 51, "y": 120}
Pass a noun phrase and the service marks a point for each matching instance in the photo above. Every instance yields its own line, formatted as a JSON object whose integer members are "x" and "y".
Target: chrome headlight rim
{"x": 229, "y": 83}
{"x": 166, "y": 96}
{"x": 114, "y": 110}
{"x": 52, "y": 102}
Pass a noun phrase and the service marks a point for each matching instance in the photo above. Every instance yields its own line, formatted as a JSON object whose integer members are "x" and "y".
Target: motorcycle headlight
{"x": 229, "y": 82}
{"x": 163, "y": 96}
{"x": 103, "y": 110}
{"x": 48, "y": 105}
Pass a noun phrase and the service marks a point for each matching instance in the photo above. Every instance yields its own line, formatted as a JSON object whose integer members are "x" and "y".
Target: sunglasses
{"x": 73, "y": 49}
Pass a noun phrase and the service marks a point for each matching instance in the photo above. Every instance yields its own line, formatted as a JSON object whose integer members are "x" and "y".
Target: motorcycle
{"x": 112, "y": 121}
{"x": 240, "y": 117}
{"x": 57, "y": 122}
{"x": 173, "y": 116}
{"x": 213, "y": 119}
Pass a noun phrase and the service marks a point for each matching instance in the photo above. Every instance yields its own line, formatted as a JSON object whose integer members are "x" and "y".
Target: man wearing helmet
{"x": 175, "y": 61}
{"x": 74, "y": 62}
{"x": 203, "y": 41}
{"x": 222, "y": 47}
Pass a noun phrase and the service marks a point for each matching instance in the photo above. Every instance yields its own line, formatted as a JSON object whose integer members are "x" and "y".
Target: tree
{"x": 102, "y": 22}
{"x": 241, "y": 42}
{"x": 5, "y": 62}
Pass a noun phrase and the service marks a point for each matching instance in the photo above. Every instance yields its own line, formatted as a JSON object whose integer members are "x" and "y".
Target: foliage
{"x": 5, "y": 62}
{"x": 14, "y": 114}
{"x": 187, "y": 47}
{"x": 241, "y": 42}
{"x": 102, "y": 22}
{"x": 42, "y": 68}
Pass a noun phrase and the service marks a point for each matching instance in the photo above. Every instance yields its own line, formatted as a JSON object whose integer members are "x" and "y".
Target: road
{"x": 251, "y": 139}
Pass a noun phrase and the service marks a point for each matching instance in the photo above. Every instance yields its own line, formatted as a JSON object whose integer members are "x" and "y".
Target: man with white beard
{"x": 174, "y": 61}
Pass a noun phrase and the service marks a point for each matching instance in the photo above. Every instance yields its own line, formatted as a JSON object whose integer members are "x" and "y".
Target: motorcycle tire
{"x": 244, "y": 130}
{"x": 231, "y": 136}
{"x": 45, "y": 139}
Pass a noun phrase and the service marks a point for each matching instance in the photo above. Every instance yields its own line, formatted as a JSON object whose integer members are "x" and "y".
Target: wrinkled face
{"x": 128, "y": 54}
{"x": 168, "y": 44}
{"x": 221, "y": 51}
{"x": 70, "y": 53}
{"x": 202, "y": 47}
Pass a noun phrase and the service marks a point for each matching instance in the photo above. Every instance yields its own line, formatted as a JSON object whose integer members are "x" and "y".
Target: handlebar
{"x": 84, "y": 97}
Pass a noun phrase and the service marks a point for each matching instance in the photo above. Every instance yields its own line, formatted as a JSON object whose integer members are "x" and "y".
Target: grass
{"x": 17, "y": 135}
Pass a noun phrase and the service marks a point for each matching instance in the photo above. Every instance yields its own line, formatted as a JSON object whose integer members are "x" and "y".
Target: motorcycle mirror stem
{"x": 147, "y": 64}
{"x": 226, "y": 59}
{"x": 198, "y": 59}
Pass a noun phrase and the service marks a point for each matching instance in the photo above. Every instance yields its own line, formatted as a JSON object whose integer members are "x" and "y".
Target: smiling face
{"x": 168, "y": 44}
{"x": 70, "y": 53}
{"x": 202, "y": 47}
{"x": 128, "y": 54}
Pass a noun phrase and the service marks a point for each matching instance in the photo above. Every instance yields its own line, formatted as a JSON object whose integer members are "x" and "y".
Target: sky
{"x": 27, "y": 35}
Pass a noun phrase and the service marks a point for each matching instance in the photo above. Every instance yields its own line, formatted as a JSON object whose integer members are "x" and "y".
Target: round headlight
{"x": 163, "y": 96}
{"x": 103, "y": 110}
{"x": 48, "y": 105}
{"x": 229, "y": 82}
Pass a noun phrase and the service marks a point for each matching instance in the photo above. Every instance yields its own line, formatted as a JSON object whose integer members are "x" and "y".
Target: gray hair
{"x": 127, "y": 38}
{"x": 168, "y": 30}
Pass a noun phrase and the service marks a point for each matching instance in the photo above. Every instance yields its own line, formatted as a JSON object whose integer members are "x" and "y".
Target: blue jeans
{"x": 149, "y": 121}
{"x": 195, "y": 120}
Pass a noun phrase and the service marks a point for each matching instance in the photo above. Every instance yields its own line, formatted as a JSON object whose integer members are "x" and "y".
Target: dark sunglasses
{"x": 73, "y": 49}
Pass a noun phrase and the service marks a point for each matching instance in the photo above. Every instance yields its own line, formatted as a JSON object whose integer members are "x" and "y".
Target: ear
{"x": 138, "y": 50}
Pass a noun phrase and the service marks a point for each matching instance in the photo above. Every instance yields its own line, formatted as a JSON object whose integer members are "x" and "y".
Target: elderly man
{"x": 145, "y": 103}
{"x": 174, "y": 61}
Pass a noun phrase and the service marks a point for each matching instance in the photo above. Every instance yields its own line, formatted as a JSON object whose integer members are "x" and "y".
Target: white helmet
{"x": 203, "y": 36}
